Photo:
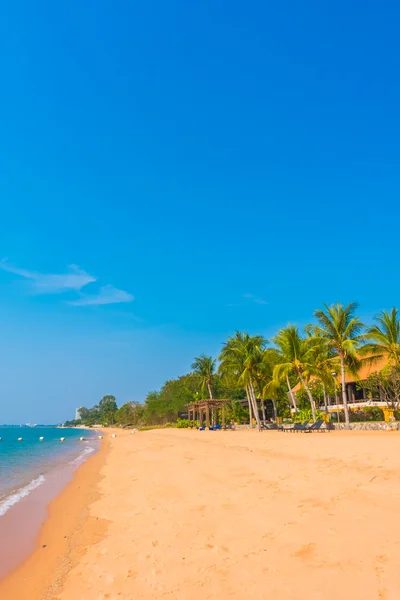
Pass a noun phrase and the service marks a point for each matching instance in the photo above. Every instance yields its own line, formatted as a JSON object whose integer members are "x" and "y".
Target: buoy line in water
{"x": 63, "y": 439}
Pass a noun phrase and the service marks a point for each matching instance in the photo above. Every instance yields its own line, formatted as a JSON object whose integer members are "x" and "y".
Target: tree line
{"x": 251, "y": 368}
{"x": 338, "y": 342}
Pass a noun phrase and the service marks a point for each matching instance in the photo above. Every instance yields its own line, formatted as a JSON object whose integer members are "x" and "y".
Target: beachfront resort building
{"x": 357, "y": 396}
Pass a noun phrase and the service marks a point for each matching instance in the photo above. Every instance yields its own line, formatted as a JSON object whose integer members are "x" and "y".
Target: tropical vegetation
{"x": 383, "y": 339}
{"x": 256, "y": 376}
{"x": 342, "y": 331}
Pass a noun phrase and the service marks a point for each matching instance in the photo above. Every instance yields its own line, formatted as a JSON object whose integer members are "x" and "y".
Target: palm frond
{"x": 338, "y": 323}
{"x": 385, "y": 337}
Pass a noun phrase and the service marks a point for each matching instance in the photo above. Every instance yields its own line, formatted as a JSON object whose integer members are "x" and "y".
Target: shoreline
{"x": 63, "y": 528}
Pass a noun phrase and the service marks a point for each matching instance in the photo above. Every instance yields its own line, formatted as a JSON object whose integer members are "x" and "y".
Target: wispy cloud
{"x": 42, "y": 283}
{"x": 108, "y": 294}
{"x": 75, "y": 279}
{"x": 254, "y": 299}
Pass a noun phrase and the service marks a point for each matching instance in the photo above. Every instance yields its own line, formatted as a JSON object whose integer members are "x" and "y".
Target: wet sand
{"x": 20, "y": 525}
{"x": 63, "y": 536}
{"x": 214, "y": 515}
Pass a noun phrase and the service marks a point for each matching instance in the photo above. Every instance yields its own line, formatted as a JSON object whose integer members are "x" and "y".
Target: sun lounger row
{"x": 217, "y": 427}
{"x": 306, "y": 428}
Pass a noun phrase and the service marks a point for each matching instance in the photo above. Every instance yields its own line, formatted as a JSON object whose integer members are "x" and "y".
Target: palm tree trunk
{"x": 209, "y": 389}
{"x": 344, "y": 395}
{"x": 253, "y": 403}
{"x": 249, "y": 402}
{"x": 293, "y": 397}
{"x": 309, "y": 394}
{"x": 255, "y": 408}
{"x": 325, "y": 400}
{"x": 263, "y": 410}
{"x": 275, "y": 409}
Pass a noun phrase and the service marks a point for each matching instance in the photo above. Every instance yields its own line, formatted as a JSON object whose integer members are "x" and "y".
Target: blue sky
{"x": 173, "y": 171}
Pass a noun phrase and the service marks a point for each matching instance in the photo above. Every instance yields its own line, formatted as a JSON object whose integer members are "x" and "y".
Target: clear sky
{"x": 173, "y": 171}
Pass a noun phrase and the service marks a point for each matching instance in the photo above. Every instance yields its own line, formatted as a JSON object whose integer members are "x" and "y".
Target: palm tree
{"x": 324, "y": 360}
{"x": 322, "y": 368}
{"x": 385, "y": 337}
{"x": 232, "y": 361}
{"x": 259, "y": 385}
{"x": 204, "y": 367}
{"x": 240, "y": 357}
{"x": 268, "y": 386}
{"x": 342, "y": 331}
{"x": 297, "y": 357}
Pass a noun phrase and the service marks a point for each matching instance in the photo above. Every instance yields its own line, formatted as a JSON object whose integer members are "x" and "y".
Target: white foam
{"x": 9, "y": 501}
{"x": 79, "y": 459}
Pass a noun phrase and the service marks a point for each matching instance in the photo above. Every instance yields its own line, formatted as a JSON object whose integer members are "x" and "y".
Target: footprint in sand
{"x": 132, "y": 574}
{"x": 305, "y": 551}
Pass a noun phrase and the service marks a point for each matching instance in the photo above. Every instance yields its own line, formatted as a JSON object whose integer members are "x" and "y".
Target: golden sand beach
{"x": 223, "y": 515}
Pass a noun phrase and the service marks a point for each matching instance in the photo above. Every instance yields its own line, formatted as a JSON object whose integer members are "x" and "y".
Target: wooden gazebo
{"x": 208, "y": 408}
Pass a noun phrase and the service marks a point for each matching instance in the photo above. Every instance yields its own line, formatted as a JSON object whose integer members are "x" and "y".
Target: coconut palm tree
{"x": 240, "y": 357}
{"x": 322, "y": 366}
{"x": 297, "y": 357}
{"x": 265, "y": 379}
{"x": 384, "y": 338}
{"x": 231, "y": 363}
{"x": 259, "y": 387}
{"x": 342, "y": 331}
{"x": 324, "y": 361}
{"x": 204, "y": 367}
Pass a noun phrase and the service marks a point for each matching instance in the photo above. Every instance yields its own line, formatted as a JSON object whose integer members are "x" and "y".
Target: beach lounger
{"x": 296, "y": 427}
{"x": 317, "y": 426}
{"x": 269, "y": 426}
{"x": 299, "y": 427}
{"x": 321, "y": 427}
{"x": 285, "y": 429}
{"x": 229, "y": 426}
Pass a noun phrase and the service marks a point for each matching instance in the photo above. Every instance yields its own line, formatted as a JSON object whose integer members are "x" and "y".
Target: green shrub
{"x": 334, "y": 417}
{"x": 306, "y": 415}
{"x": 369, "y": 413}
{"x": 360, "y": 415}
{"x": 150, "y": 427}
{"x": 182, "y": 423}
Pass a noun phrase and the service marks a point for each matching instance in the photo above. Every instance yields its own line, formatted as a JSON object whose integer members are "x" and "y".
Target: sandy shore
{"x": 67, "y": 531}
{"x": 215, "y": 515}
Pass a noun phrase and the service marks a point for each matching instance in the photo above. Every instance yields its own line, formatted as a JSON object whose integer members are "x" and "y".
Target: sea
{"x": 25, "y": 464}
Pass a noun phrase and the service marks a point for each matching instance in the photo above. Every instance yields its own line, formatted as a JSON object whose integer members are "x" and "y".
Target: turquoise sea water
{"x": 24, "y": 464}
